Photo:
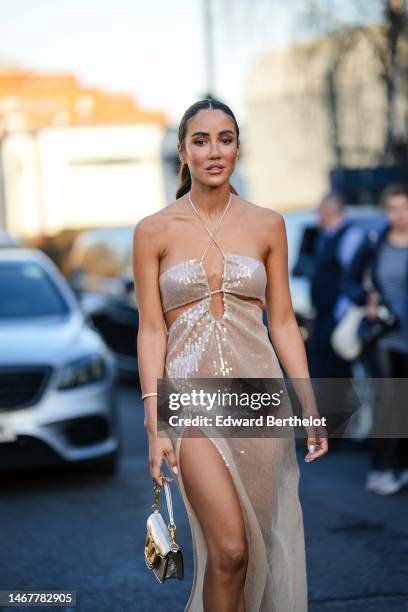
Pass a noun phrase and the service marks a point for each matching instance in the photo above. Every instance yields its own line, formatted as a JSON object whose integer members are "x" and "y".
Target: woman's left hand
{"x": 317, "y": 447}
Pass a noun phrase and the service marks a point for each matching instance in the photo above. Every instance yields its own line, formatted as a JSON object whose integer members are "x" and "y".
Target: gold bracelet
{"x": 148, "y": 394}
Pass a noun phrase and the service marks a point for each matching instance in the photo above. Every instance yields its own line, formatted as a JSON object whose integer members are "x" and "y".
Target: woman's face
{"x": 396, "y": 208}
{"x": 210, "y": 147}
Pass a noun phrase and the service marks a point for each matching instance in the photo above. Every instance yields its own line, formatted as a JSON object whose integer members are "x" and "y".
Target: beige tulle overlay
{"x": 264, "y": 470}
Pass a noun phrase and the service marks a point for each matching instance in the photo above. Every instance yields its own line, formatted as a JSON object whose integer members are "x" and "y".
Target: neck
{"x": 399, "y": 234}
{"x": 210, "y": 201}
{"x": 335, "y": 222}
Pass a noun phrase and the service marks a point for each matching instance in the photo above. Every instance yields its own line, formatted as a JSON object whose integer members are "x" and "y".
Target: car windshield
{"x": 26, "y": 290}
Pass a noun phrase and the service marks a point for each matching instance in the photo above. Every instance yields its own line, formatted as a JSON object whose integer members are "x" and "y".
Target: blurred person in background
{"x": 386, "y": 260}
{"x": 336, "y": 245}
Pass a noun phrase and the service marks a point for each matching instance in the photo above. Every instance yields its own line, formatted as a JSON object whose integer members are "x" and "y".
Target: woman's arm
{"x": 282, "y": 324}
{"x": 283, "y": 328}
{"x": 152, "y": 337}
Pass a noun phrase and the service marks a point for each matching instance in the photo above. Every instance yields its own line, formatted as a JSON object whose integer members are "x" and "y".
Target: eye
{"x": 199, "y": 141}
{"x": 227, "y": 140}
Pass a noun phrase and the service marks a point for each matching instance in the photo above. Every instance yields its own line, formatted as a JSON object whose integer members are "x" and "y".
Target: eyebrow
{"x": 207, "y": 134}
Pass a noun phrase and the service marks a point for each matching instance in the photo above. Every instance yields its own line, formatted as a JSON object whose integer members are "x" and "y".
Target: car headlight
{"x": 82, "y": 372}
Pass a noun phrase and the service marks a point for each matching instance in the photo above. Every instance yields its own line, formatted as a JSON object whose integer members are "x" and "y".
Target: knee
{"x": 230, "y": 556}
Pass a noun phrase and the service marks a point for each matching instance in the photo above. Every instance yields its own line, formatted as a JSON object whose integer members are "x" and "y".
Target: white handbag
{"x": 344, "y": 338}
{"x": 162, "y": 553}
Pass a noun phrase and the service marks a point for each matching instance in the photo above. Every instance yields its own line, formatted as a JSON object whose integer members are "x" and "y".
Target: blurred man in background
{"x": 336, "y": 245}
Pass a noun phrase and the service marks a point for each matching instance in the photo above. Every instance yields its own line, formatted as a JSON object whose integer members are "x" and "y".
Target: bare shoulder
{"x": 153, "y": 228}
{"x": 153, "y": 223}
{"x": 265, "y": 219}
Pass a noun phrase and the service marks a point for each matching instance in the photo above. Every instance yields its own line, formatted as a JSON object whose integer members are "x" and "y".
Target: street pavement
{"x": 64, "y": 529}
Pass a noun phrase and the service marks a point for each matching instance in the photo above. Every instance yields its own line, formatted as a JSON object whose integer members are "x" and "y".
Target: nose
{"x": 214, "y": 151}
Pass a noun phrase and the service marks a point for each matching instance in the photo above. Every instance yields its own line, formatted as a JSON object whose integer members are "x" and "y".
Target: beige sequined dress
{"x": 264, "y": 470}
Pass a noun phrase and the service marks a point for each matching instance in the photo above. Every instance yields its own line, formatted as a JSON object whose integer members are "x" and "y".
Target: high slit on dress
{"x": 264, "y": 471}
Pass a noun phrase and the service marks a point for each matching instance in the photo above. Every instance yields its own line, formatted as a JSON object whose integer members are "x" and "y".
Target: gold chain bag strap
{"x": 162, "y": 553}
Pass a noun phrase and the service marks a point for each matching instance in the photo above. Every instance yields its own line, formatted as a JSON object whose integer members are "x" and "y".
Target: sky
{"x": 153, "y": 50}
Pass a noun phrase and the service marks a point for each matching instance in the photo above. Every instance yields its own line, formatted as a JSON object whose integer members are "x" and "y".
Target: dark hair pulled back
{"x": 208, "y": 103}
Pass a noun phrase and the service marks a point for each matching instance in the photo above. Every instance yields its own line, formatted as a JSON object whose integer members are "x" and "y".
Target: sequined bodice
{"x": 187, "y": 281}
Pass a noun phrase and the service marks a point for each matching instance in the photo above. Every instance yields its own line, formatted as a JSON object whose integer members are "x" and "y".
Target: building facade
{"x": 313, "y": 107}
{"x": 74, "y": 157}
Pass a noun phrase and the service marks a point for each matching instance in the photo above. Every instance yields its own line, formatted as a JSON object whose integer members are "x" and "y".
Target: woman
{"x": 386, "y": 257}
{"x": 241, "y": 495}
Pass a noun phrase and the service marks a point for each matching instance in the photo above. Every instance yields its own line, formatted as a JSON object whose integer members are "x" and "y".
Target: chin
{"x": 216, "y": 181}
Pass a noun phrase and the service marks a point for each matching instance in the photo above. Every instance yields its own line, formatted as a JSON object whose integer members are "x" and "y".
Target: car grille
{"x": 21, "y": 387}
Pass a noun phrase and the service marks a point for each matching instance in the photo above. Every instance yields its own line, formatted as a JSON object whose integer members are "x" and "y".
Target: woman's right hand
{"x": 160, "y": 448}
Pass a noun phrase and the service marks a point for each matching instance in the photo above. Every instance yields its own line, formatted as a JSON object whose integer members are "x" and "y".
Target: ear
{"x": 181, "y": 154}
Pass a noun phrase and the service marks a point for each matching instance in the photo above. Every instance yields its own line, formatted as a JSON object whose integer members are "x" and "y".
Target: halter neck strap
{"x": 212, "y": 235}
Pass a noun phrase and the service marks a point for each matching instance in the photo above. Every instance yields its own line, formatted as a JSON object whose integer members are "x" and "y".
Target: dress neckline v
{"x": 200, "y": 261}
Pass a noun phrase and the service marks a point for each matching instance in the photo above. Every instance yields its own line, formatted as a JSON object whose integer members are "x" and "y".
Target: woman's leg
{"x": 212, "y": 494}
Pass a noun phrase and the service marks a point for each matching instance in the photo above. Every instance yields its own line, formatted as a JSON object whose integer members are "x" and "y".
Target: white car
{"x": 57, "y": 399}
